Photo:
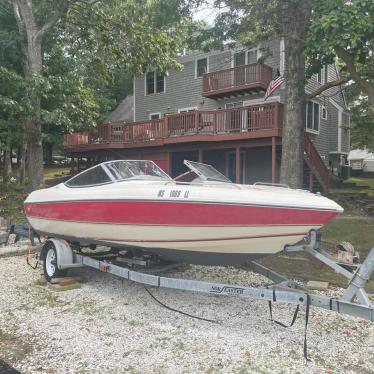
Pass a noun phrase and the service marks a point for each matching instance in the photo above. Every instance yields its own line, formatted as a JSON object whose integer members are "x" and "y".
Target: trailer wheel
{"x": 50, "y": 262}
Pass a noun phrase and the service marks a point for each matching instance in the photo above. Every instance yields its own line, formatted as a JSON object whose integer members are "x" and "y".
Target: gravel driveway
{"x": 114, "y": 326}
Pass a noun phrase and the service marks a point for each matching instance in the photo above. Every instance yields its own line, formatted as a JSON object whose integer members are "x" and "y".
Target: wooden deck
{"x": 250, "y": 122}
{"x": 237, "y": 81}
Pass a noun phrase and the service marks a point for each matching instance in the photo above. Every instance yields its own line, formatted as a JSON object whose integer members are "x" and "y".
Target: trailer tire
{"x": 50, "y": 262}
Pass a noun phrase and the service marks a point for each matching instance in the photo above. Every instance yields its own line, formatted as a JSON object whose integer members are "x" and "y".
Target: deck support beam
{"x": 168, "y": 162}
{"x": 273, "y": 158}
{"x": 310, "y": 181}
{"x": 237, "y": 165}
{"x": 200, "y": 156}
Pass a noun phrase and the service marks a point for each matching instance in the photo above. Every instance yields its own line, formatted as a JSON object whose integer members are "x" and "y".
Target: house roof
{"x": 124, "y": 111}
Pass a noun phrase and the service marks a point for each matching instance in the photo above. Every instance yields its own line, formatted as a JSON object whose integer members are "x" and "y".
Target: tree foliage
{"x": 344, "y": 29}
{"x": 74, "y": 61}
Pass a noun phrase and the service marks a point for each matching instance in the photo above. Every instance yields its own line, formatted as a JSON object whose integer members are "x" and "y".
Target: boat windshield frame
{"x": 151, "y": 169}
{"x": 206, "y": 172}
{"x": 115, "y": 176}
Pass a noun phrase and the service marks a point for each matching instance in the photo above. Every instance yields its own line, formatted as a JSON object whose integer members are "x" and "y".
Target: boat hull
{"x": 203, "y": 233}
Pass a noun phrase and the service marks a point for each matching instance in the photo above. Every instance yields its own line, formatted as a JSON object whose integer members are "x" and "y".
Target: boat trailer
{"x": 58, "y": 256}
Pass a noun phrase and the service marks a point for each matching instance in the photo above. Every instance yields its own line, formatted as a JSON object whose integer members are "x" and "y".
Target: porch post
{"x": 200, "y": 155}
{"x": 168, "y": 160}
{"x": 273, "y": 159}
{"x": 72, "y": 165}
{"x": 310, "y": 181}
{"x": 237, "y": 165}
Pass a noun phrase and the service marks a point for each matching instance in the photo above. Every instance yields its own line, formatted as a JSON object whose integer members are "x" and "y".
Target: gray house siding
{"x": 333, "y": 114}
{"x": 184, "y": 90}
{"x": 345, "y": 132}
{"x": 322, "y": 140}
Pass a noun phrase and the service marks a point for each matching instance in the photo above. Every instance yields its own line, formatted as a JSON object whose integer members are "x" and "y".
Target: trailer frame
{"x": 354, "y": 302}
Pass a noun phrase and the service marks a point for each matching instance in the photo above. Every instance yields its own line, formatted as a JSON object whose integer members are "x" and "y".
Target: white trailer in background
{"x": 361, "y": 159}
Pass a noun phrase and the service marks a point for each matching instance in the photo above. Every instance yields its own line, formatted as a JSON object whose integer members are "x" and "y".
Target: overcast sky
{"x": 206, "y": 13}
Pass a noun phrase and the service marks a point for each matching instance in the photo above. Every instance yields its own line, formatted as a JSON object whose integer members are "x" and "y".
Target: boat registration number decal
{"x": 174, "y": 193}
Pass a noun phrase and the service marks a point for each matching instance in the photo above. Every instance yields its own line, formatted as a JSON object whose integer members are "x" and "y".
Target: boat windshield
{"x": 126, "y": 169}
{"x": 206, "y": 172}
{"x": 114, "y": 171}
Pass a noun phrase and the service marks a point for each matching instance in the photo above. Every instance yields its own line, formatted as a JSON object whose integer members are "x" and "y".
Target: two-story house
{"x": 213, "y": 111}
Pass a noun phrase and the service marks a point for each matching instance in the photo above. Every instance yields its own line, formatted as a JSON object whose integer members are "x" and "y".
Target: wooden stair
{"x": 316, "y": 173}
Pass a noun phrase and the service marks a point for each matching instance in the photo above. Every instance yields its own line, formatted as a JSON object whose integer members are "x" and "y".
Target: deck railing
{"x": 203, "y": 122}
{"x": 239, "y": 77}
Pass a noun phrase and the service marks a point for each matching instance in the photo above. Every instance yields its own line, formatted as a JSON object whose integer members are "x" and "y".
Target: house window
{"x": 243, "y": 58}
{"x": 322, "y": 75}
{"x": 239, "y": 58}
{"x": 155, "y": 82}
{"x": 201, "y": 67}
{"x": 324, "y": 112}
{"x": 150, "y": 83}
{"x": 154, "y": 115}
{"x": 160, "y": 83}
{"x": 312, "y": 116}
{"x": 252, "y": 56}
{"x": 326, "y": 74}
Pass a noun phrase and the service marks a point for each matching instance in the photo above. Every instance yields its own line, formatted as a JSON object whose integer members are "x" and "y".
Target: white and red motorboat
{"x": 136, "y": 206}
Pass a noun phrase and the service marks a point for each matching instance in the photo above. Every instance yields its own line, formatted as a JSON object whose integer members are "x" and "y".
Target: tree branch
{"x": 347, "y": 58}
{"x": 17, "y": 16}
{"x": 366, "y": 73}
{"x": 55, "y": 17}
{"x": 326, "y": 86}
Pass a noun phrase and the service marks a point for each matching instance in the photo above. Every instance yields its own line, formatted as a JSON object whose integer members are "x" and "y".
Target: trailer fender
{"x": 63, "y": 251}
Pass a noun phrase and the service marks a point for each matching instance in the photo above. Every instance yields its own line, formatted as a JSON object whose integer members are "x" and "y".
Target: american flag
{"x": 273, "y": 85}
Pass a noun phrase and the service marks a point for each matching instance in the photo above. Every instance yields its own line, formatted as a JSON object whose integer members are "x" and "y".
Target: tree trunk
{"x": 33, "y": 123}
{"x": 371, "y": 99}
{"x": 8, "y": 157}
{"x": 49, "y": 154}
{"x": 7, "y": 163}
{"x": 296, "y": 16}
{"x": 22, "y": 163}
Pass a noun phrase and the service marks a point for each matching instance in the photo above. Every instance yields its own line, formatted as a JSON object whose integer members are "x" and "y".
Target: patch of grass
{"x": 11, "y": 201}
{"x": 134, "y": 323}
{"x": 357, "y": 230}
{"x": 12, "y": 348}
{"x": 12, "y": 195}
{"x": 250, "y": 368}
{"x": 179, "y": 346}
{"x": 52, "y": 172}
{"x": 362, "y": 182}
{"x": 369, "y": 182}
{"x": 90, "y": 308}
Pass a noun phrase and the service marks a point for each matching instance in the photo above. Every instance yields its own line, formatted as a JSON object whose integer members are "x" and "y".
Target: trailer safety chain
{"x": 178, "y": 311}
{"x": 281, "y": 323}
{"x": 32, "y": 266}
{"x": 306, "y": 326}
{"x": 305, "y": 348}
{"x": 29, "y": 252}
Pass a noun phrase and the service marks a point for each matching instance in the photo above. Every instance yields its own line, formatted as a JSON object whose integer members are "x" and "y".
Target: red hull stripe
{"x": 174, "y": 213}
